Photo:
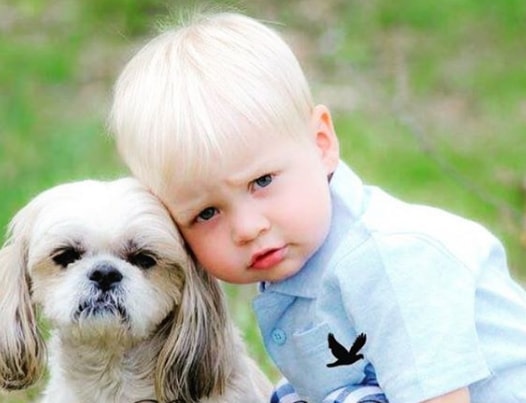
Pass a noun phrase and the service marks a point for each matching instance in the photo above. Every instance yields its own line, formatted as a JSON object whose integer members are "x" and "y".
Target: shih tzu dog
{"x": 132, "y": 318}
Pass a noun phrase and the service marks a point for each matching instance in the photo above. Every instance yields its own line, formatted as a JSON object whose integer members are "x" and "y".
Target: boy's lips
{"x": 268, "y": 258}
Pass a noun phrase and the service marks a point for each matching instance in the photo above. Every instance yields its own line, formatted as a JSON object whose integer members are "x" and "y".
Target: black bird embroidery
{"x": 344, "y": 357}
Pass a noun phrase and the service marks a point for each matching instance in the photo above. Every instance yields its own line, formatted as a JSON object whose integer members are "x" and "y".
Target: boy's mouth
{"x": 268, "y": 258}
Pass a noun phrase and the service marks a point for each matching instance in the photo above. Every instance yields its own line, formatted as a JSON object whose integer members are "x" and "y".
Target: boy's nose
{"x": 247, "y": 225}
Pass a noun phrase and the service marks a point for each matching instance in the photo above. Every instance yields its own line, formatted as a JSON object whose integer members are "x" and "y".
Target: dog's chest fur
{"x": 98, "y": 375}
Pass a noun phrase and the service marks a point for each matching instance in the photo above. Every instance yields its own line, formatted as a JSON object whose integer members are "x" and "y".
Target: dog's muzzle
{"x": 105, "y": 298}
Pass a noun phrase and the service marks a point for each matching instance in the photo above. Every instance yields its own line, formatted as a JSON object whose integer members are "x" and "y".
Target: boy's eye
{"x": 207, "y": 214}
{"x": 263, "y": 181}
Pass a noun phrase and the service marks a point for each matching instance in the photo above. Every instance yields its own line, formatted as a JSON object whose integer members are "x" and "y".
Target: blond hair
{"x": 204, "y": 89}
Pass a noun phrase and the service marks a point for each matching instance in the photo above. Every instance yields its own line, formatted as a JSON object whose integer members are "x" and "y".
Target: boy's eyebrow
{"x": 182, "y": 217}
{"x": 250, "y": 173}
{"x": 182, "y": 213}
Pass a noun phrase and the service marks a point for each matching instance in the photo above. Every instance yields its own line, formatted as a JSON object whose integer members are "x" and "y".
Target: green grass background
{"x": 429, "y": 100}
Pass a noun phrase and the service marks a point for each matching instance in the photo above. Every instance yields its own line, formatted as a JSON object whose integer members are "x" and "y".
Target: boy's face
{"x": 260, "y": 215}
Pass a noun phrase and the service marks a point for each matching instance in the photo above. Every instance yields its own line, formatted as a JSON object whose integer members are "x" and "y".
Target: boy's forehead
{"x": 185, "y": 190}
{"x": 204, "y": 181}
{"x": 196, "y": 185}
{"x": 183, "y": 197}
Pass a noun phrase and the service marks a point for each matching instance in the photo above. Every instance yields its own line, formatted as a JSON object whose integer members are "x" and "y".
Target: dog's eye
{"x": 65, "y": 256}
{"x": 142, "y": 259}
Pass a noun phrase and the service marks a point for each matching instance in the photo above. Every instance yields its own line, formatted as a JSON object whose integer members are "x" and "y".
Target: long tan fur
{"x": 22, "y": 349}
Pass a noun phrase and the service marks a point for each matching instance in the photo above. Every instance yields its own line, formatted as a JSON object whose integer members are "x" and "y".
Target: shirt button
{"x": 279, "y": 336}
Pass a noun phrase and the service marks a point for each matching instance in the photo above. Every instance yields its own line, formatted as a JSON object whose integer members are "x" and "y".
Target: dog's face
{"x": 106, "y": 265}
{"x": 103, "y": 259}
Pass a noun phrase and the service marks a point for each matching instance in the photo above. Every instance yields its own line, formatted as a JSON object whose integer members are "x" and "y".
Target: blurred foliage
{"x": 429, "y": 99}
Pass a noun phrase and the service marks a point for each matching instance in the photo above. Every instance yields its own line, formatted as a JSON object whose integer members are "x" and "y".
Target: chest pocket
{"x": 309, "y": 372}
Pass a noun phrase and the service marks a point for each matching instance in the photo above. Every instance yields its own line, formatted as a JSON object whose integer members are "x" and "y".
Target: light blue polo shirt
{"x": 431, "y": 291}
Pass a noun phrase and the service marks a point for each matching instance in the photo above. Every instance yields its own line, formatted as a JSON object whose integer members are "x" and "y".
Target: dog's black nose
{"x": 105, "y": 276}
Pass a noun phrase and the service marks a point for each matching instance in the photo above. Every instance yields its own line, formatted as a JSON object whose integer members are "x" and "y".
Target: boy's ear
{"x": 325, "y": 137}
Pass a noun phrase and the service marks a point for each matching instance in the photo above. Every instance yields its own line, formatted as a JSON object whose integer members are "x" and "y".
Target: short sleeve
{"x": 415, "y": 301}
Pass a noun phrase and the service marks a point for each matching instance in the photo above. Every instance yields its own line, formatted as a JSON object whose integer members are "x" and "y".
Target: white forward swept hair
{"x": 202, "y": 90}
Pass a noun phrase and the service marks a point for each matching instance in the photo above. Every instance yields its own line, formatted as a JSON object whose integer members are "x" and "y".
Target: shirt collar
{"x": 347, "y": 205}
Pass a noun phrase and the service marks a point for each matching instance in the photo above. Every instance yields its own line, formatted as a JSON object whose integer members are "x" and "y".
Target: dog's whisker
{"x": 102, "y": 304}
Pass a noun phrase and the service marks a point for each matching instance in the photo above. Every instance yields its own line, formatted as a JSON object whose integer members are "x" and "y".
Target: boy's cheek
{"x": 204, "y": 244}
{"x": 193, "y": 240}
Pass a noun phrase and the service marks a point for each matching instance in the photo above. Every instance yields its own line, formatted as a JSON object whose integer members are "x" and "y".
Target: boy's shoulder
{"x": 370, "y": 209}
{"x": 375, "y": 228}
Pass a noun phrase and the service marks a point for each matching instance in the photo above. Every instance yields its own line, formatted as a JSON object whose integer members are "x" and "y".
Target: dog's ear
{"x": 197, "y": 356}
{"x": 22, "y": 349}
